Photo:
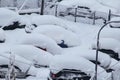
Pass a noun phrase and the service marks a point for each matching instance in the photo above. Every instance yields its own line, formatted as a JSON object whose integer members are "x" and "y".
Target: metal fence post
{"x": 56, "y": 8}
{"x": 75, "y": 14}
{"x": 94, "y": 14}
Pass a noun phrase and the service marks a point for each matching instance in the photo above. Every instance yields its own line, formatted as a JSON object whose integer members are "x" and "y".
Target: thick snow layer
{"x": 31, "y": 53}
{"x": 2, "y": 35}
{"x": 110, "y": 33}
{"x": 115, "y": 65}
{"x": 58, "y": 34}
{"x": 109, "y": 44}
{"x": 20, "y": 62}
{"x": 7, "y": 17}
{"x": 115, "y": 24}
{"x": 104, "y": 59}
{"x": 43, "y": 42}
{"x": 64, "y": 62}
{"x": 92, "y": 4}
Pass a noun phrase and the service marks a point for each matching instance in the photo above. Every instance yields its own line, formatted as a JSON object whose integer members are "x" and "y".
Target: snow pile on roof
{"x": 110, "y": 33}
{"x": 64, "y": 62}
{"x": 43, "y": 42}
{"x": 7, "y": 16}
{"x": 109, "y": 44}
{"x": 104, "y": 59}
{"x": 31, "y": 53}
{"x": 115, "y": 24}
{"x": 58, "y": 34}
{"x": 20, "y": 62}
{"x": 2, "y": 35}
{"x": 92, "y": 4}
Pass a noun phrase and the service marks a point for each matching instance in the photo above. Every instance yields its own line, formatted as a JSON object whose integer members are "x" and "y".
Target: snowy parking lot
{"x": 63, "y": 43}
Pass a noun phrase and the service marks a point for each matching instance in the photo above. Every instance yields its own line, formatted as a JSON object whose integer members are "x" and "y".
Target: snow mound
{"x": 20, "y": 62}
{"x": 109, "y": 44}
{"x": 7, "y": 16}
{"x": 104, "y": 59}
{"x": 110, "y": 33}
{"x": 58, "y": 34}
{"x": 43, "y": 42}
{"x": 115, "y": 24}
{"x": 64, "y": 62}
{"x": 31, "y": 53}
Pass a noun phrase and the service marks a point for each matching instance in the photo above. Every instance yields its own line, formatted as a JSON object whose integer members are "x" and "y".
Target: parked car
{"x": 72, "y": 68}
{"x": 109, "y": 46}
{"x": 11, "y": 20}
{"x": 33, "y": 54}
{"x": 22, "y": 66}
{"x": 59, "y": 34}
{"x": 42, "y": 42}
{"x": 104, "y": 60}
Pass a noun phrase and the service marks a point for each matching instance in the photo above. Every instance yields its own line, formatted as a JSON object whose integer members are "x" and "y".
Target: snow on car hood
{"x": 58, "y": 34}
{"x": 104, "y": 59}
{"x": 42, "y": 41}
{"x": 73, "y": 62}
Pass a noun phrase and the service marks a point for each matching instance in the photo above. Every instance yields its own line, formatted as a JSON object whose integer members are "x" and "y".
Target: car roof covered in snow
{"x": 43, "y": 42}
{"x": 104, "y": 59}
{"x": 31, "y": 53}
{"x": 110, "y": 33}
{"x": 7, "y": 16}
{"x": 109, "y": 44}
{"x": 61, "y": 62}
{"x": 58, "y": 34}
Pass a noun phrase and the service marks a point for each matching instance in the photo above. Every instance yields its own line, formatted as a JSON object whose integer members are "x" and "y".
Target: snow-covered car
{"x": 42, "y": 42}
{"x": 37, "y": 56}
{"x": 109, "y": 46}
{"x": 104, "y": 60}
{"x": 11, "y": 20}
{"x": 22, "y": 66}
{"x": 63, "y": 37}
{"x": 115, "y": 25}
{"x": 64, "y": 67}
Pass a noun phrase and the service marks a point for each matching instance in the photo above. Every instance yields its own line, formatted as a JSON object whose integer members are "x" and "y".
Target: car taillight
{"x": 53, "y": 75}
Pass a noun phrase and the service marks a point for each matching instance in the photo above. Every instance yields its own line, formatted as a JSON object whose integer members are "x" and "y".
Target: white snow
{"x": 58, "y": 34}
{"x": 2, "y": 35}
{"x": 20, "y": 62}
{"x": 7, "y": 16}
{"x": 115, "y": 24}
{"x": 92, "y": 4}
{"x": 31, "y": 53}
{"x": 42, "y": 41}
{"x": 104, "y": 59}
{"x": 109, "y": 44}
{"x": 64, "y": 62}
